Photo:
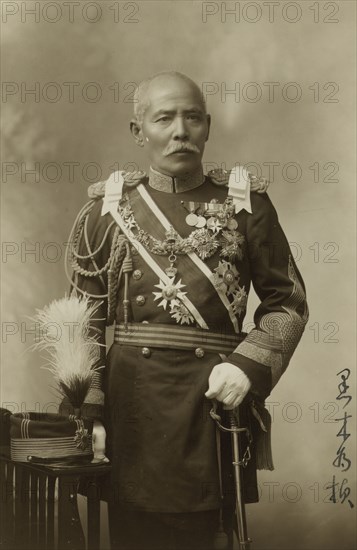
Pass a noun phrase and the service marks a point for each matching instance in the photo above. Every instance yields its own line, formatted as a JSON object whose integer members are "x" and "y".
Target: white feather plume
{"x": 64, "y": 334}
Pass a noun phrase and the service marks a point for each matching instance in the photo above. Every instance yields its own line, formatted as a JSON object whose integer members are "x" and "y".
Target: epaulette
{"x": 131, "y": 179}
{"x": 220, "y": 177}
{"x": 96, "y": 190}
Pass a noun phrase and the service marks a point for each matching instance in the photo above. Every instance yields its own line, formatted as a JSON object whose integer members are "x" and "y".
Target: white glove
{"x": 98, "y": 442}
{"x": 228, "y": 384}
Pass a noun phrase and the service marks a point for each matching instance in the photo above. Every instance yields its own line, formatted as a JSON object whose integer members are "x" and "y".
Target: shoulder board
{"x": 220, "y": 177}
{"x": 131, "y": 179}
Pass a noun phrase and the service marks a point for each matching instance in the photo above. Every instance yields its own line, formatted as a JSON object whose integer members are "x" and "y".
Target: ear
{"x": 137, "y": 133}
{"x": 208, "y": 117}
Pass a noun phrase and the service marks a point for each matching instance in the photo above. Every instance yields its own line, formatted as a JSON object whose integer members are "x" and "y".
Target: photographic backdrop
{"x": 279, "y": 82}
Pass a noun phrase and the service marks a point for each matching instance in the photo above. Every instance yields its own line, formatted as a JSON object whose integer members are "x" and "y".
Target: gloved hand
{"x": 228, "y": 384}
{"x": 98, "y": 442}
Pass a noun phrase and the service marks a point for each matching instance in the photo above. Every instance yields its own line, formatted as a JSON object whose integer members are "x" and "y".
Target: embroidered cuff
{"x": 258, "y": 374}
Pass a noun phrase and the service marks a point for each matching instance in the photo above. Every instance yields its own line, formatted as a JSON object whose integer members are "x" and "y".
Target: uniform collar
{"x": 179, "y": 184}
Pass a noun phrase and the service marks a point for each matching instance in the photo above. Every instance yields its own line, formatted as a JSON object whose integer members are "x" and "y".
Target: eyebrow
{"x": 172, "y": 111}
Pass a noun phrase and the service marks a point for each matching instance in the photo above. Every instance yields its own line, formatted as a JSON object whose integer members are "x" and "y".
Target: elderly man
{"x": 170, "y": 257}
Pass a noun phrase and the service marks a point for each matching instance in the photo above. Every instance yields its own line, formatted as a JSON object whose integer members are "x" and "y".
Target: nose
{"x": 180, "y": 129}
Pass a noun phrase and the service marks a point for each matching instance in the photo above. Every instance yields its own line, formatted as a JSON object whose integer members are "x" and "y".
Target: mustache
{"x": 180, "y": 148}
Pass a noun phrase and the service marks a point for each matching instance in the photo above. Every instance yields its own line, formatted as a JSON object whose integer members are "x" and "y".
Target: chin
{"x": 179, "y": 168}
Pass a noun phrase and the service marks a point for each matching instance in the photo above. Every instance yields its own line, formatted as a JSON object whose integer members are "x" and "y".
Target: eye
{"x": 164, "y": 118}
{"x": 194, "y": 116}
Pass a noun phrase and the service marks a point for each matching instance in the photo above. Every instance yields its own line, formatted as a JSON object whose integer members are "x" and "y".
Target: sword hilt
{"x": 234, "y": 429}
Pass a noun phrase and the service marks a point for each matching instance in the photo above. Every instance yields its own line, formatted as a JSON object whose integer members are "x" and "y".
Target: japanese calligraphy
{"x": 340, "y": 491}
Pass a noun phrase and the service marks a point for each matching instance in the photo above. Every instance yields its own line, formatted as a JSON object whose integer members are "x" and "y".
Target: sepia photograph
{"x": 178, "y": 261}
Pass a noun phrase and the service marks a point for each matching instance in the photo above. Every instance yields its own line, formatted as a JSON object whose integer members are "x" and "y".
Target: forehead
{"x": 172, "y": 93}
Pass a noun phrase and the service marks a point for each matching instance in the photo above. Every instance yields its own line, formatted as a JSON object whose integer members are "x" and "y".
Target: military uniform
{"x": 171, "y": 261}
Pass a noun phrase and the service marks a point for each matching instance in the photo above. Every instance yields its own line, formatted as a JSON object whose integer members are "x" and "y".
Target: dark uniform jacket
{"x": 161, "y": 438}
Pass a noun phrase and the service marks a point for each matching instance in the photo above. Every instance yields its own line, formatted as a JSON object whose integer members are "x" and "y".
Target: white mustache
{"x": 180, "y": 148}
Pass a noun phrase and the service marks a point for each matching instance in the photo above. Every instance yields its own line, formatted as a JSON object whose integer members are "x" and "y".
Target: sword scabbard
{"x": 243, "y": 539}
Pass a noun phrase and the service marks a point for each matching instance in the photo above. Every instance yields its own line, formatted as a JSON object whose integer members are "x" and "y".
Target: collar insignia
{"x": 179, "y": 184}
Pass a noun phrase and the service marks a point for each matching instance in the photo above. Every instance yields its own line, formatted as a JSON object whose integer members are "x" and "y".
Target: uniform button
{"x": 199, "y": 352}
{"x": 146, "y": 352}
{"x": 140, "y": 300}
{"x": 137, "y": 274}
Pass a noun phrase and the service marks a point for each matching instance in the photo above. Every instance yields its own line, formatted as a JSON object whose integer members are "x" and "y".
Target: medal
{"x": 211, "y": 223}
{"x": 191, "y": 219}
{"x": 232, "y": 224}
{"x": 171, "y": 270}
{"x": 226, "y": 277}
{"x": 169, "y": 292}
{"x": 201, "y": 222}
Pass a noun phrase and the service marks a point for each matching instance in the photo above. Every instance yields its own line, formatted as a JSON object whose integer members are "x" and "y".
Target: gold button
{"x": 137, "y": 274}
{"x": 146, "y": 352}
{"x": 199, "y": 352}
{"x": 140, "y": 300}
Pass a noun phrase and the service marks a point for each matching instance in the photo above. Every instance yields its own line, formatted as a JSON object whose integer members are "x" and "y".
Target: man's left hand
{"x": 228, "y": 384}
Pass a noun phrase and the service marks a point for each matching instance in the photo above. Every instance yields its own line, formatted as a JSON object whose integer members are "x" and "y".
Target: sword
{"x": 238, "y": 462}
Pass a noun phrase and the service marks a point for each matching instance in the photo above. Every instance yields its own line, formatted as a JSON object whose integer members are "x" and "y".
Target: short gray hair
{"x": 140, "y": 101}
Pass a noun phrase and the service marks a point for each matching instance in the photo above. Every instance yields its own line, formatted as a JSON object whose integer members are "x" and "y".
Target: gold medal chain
{"x": 204, "y": 241}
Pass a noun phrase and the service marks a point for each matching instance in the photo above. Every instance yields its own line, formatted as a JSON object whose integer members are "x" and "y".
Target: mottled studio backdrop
{"x": 279, "y": 81}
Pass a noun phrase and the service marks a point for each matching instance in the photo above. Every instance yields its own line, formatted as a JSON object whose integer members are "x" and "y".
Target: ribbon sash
{"x": 192, "y": 255}
{"x": 110, "y": 204}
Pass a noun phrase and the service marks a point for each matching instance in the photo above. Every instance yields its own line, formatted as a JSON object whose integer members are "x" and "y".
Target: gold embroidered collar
{"x": 179, "y": 184}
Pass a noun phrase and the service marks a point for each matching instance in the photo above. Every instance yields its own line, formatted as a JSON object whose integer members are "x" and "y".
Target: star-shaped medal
{"x": 203, "y": 242}
{"x": 181, "y": 314}
{"x": 214, "y": 225}
{"x": 169, "y": 292}
{"x": 232, "y": 245}
{"x": 239, "y": 303}
{"x": 226, "y": 277}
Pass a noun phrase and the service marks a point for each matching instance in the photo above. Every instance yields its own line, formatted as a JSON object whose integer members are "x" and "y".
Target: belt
{"x": 158, "y": 335}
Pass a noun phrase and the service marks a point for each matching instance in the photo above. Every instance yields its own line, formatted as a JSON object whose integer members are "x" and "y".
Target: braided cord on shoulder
{"x": 119, "y": 260}
{"x": 117, "y": 265}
